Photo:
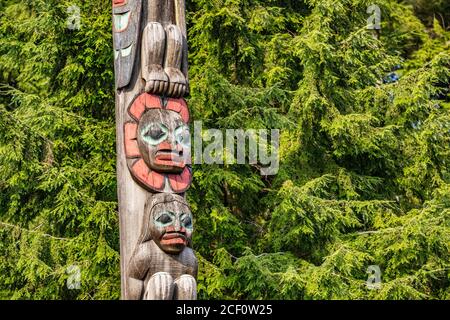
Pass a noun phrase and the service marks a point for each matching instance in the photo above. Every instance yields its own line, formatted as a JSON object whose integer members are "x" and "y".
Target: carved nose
{"x": 177, "y": 226}
{"x": 165, "y": 146}
{"x": 170, "y": 146}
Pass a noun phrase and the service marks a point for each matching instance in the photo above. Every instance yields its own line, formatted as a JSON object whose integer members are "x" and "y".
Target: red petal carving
{"x": 149, "y": 178}
{"x": 152, "y": 179}
{"x": 152, "y": 101}
{"x": 140, "y": 170}
{"x": 156, "y": 180}
{"x": 180, "y": 182}
{"x": 137, "y": 109}
{"x": 131, "y": 145}
{"x": 143, "y": 102}
{"x": 118, "y": 3}
{"x": 180, "y": 106}
{"x": 131, "y": 130}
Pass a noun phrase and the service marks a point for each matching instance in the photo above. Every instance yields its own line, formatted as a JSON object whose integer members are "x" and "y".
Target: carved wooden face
{"x": 126, "y": 21}
{"x": 152, "y": 141}
{"x": 171, "y": 225}
{"x": 163, "y": 140}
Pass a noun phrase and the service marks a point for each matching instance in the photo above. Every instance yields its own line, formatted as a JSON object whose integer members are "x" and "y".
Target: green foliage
{"x": 58, "y": 190}
{"x": 365, "y": 163}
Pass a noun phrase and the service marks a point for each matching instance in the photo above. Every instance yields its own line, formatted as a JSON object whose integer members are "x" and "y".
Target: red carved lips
{"x": 169, "y": 157}
{"x": 118, "y": 3}
{"x": 174, "y": 238}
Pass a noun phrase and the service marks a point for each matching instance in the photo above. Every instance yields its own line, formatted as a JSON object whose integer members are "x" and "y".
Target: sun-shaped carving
{"x": 157, "y": 143}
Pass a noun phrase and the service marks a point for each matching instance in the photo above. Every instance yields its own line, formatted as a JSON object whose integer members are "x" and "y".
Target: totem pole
{"x": 153, "y": 150}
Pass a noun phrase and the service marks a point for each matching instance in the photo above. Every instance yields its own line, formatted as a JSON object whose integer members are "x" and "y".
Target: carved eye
{"x": 182, "y": 135}
{"x": 187, "y": 222}
{"x": 164, "y": 219}
{"x": 154, "y": 133}
{"x": 121, "y": 21}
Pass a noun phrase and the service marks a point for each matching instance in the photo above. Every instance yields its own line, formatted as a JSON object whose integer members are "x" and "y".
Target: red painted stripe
{"x": 174, "y": 241}
{"x": 137, "y": 109}
{"x": 180, "y": 182}
{"x": 131, "y": 145}
{"x": 152, "y": 101}
{"x": 119, "y": 3}
{"x": 164, "y": 146}
{"x": 180, "y": 106}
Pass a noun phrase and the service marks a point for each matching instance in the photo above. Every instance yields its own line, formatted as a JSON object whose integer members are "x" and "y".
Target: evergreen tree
{"x": 364, "y": 176}
{"x": 57, "y": 152}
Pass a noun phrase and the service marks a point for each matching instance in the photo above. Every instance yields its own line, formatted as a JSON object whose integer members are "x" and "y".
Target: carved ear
{"x": 152, "y": 201}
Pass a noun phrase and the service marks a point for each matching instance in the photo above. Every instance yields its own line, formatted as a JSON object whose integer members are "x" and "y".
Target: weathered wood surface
{"x": 161, "y": 165}
{"x": 150, "y": 51}
{"x": 164, "y": 54}
{"x": 162, "y": 259}
{"x": 131, "y": 196}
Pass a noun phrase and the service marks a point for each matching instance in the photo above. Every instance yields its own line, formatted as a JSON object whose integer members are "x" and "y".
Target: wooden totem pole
{"x": 153, "y": 150}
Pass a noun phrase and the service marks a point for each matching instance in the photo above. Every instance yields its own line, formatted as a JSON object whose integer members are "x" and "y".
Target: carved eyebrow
{"x": 154, "y": 123}
{"x": 163, "y": 126}
{"x": 159, "y": 215}
{"x": 179, "y": 123}
{"x": 184, "y": 215}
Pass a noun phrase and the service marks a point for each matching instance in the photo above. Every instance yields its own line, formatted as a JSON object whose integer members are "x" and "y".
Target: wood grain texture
{"x": 131, "y": 197}
{"x": 180, "y": 17}
{"x": 163, "y": 249}
{"x": 126, "y": 39}
{"x": 164, "y": 48}
{"x": 174, "y": 280}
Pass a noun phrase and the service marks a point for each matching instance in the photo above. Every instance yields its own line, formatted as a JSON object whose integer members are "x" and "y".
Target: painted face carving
{"x": 163, "y": 140}
{"x": 171, "y": 226}
{"x": 126, "y": 21}
{"x": 153, "y": 139}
